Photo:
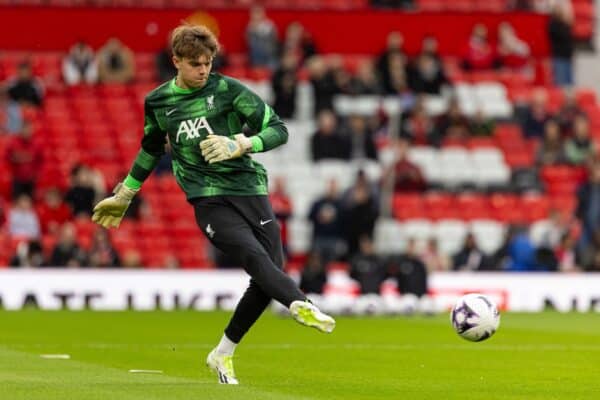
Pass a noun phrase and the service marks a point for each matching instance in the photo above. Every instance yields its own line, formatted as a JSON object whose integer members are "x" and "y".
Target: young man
{"x": 203, "y": 114}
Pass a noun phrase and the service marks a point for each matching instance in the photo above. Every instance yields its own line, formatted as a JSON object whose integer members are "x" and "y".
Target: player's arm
{"x": 260, "y": 117}
{"x": 110, "y": 211}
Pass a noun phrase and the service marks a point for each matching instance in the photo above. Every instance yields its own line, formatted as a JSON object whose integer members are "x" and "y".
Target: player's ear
{"x": 176, "y": 61}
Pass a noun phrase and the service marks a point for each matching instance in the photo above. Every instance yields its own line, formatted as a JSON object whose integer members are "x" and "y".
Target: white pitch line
{"x": 145, "y": 371}
{"x": 55, "y": 356}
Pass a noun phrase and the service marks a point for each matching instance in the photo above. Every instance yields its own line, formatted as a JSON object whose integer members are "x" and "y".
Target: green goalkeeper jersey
{"x": 186, "y": 116}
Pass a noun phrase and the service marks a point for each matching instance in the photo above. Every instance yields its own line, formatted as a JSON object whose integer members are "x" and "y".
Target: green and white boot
{"x": 308, "y": 314}
{"x": 222, "y": 364}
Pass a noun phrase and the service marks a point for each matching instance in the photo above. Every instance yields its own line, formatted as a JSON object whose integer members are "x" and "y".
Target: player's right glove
{"x": 217, "y": 148}
{"x": 109, "y": 212}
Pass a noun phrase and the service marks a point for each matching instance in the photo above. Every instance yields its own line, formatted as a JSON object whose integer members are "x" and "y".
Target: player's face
{"x": 192, "y": 73}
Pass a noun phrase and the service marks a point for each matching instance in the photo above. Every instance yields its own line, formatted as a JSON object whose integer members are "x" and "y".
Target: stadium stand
{"x": 476, "y": 183}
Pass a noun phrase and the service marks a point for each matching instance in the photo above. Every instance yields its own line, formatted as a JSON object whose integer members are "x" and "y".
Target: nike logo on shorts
{"x": 265, "y": 222}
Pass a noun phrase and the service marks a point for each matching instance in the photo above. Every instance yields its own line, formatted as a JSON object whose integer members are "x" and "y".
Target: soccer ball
{"x": 475, "y": 317}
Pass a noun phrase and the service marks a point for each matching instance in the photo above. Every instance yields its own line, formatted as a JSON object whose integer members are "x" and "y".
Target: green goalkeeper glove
{"x": 217, "y": 148}
{"x": 109, "y": 212}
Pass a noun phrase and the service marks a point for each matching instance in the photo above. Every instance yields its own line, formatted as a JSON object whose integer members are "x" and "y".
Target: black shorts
{"x": 238, "y": 225}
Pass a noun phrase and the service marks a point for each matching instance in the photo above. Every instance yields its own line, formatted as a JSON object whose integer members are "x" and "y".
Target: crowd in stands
{"x": 344, "y": 218}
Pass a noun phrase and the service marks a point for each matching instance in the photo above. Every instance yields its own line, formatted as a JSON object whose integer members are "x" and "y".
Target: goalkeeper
{"x": 203, "y": 114}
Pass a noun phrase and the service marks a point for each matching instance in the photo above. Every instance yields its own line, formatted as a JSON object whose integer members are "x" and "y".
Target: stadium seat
{"x": 389, "y": 236}
{"x": 489, "y": 235}
{"x": 450, "y": 235}
{"x": 300, "y": 235}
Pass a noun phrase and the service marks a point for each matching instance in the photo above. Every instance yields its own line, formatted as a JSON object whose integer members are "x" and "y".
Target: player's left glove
{"x": 217, "y": 148}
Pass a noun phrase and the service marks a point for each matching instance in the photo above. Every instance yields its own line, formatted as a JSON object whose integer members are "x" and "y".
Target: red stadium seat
{"x": 439, "y": 206}
{"x": 504, "y": 207}
{"x": 407, "y": 206}
{"x": 536, "y": 207}
{"x": 470, "y": 207}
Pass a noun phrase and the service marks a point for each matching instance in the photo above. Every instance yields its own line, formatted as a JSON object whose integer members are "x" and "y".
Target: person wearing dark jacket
{"x": 367, "y": 268}
{"x": 285, "y": 85}
{"x": 313, "y": 276}
{"x": 328, "y": 142}
{"x": 562, "y": 45}
{"x": 67, "y": 252}
{"x": 588, "y": 207}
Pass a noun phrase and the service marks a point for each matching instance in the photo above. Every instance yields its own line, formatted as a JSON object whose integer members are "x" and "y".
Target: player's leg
{"x": 230, "y": 232}
{"x": 259, "y": 214}
{"x": 255, "y": 300}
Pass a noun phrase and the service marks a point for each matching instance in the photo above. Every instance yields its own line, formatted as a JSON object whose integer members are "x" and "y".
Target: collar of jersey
{"x": 179, "y": 90}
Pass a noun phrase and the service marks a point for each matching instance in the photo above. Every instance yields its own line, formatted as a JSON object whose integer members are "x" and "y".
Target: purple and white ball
{"x": 475, "y": 317}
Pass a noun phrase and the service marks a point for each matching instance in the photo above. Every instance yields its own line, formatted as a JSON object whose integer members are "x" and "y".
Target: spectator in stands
{"x": 588, "y": 206}
{"x": 261, "y": 38}
{"x": 314, "y": 276}
{"x": 392, "y": 3}
{"x": 536, "y": 116}
{"x": 409, "y": 271}
{"x": 28, "y": 254}
{"x": 24, "y": 158}
{"x": 416, "y": 124}
{"x": 116, "y": 63}
{"x": 25, "y": 88}
{"x": 341, "y": 76}
{"x": 580, "y": 148}
{"x": 365, "y": 81}
{"x": 565, "y": 254}
{"x": 426, "y": 75}
{"x": 562, "y": 44}
{"x": 552, "y": 230}
{"x": 11, "y": 115}
{"x": 102, "y": 254}
{"x": 285, "y": 85}
{"x": 396, "y": 80}
{"x": 568, "y": 112}
{"x": 522, "y": 254}
{"x": 512, "y": 52}
{"x": 589, "y": 256}
{"x": 551, "y": 150}
{"x": 452, "y": 125}
{"x": 326, "y": 217}
{"x": 171, "y": 262}
{"x": 323, "y": 84}
{"x": 67, "y": 252}
{"x": 385, "y": 65}
{"x": 433, "y": 258}
{"x": 367, "y": 268}
{"x": 470, "y": 257}
{"x": 362, "y": 144}
{"x": 403, "y": 176}
{"x": 52, "y": 211}
{"x": 481, "y": 125}
{"x": 79, "y": 66}
{"x": 360, "y": 205}
{"x": 164, "y": 63}
{"x": 328, "y": 142}
{"x": 132, "y": 259}
{"x": 23, "y": 222}
{"x": 429, "y": 47}
{"x": 299, "y": 42}
{"x": 282, "y": 208}
{"x": 82, "y": 194}
{"x": 479, "y": 54}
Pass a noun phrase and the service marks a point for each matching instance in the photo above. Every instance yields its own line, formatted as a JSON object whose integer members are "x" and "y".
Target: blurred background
{"x": 431, "y": 142}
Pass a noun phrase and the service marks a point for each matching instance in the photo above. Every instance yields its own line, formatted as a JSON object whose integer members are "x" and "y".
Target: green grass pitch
{"x": 532, "y": 356}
